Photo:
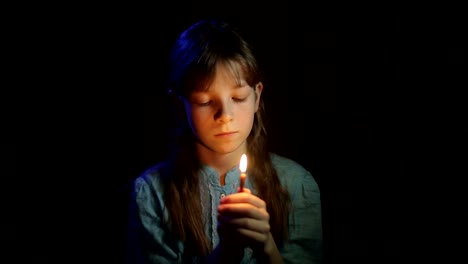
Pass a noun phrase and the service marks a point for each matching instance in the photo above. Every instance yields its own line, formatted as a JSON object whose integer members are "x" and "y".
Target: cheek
{"x": 196, "y": 119}
{"x": 189, "y": 114}
{"x": 246, "y": 115}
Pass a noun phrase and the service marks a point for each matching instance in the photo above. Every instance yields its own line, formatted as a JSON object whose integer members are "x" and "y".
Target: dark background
{"x": 333, "y": 99}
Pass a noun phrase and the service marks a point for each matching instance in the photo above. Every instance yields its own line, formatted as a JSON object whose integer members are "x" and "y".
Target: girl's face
{"x": 222, "y": 116}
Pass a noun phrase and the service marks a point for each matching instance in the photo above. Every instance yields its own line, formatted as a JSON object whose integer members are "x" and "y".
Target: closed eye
{"x": 204, "y": 104}
{"x": 239, "y": 100}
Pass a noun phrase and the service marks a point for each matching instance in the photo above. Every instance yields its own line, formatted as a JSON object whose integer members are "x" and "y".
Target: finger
{"x": 260, "y": 237}
{"x": 246, "y": 190}
{"x": 254, "y": 225}
{"x": 238, "y": 210}
{"x": 241, "y": 235}
{"x": 244, "y": 197}
{"x": 256, "y": 234}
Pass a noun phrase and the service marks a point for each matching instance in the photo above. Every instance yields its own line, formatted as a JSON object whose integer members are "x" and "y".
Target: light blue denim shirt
{"x": 149, "y": 217}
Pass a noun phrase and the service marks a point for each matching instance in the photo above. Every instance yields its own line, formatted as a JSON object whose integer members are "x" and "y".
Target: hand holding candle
{"x": 243, "y": 169}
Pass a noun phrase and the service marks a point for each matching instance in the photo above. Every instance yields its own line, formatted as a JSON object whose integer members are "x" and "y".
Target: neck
{"x": 221, "y": 162}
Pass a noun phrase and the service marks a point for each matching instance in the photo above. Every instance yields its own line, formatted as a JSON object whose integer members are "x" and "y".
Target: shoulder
{"x": 293, "y": 176}
{"x": 283, "y": 165}
{"x": 150, "y": 182}
{"x": 289, "y": 170}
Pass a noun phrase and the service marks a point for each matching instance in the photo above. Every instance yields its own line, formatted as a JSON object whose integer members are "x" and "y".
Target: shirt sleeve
{"x": 305, "y": 223}
{"x": 149, "y": 239}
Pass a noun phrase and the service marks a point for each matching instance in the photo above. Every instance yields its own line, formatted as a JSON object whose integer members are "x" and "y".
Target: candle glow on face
{"x": 243, "y": 163}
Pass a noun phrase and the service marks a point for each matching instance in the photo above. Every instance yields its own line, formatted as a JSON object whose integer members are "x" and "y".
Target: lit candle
{"x": 243, "y": 169}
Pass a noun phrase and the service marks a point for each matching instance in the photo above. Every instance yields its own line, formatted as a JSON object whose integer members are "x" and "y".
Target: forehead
{"x": 229, "y": 72}
{"x": 226, "y": 75}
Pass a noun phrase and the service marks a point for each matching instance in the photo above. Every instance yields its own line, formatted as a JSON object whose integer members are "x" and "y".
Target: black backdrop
{"x": 332, "y": 96}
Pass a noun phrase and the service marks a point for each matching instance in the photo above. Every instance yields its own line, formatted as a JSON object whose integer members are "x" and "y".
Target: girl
{"x": 189, "y": 208}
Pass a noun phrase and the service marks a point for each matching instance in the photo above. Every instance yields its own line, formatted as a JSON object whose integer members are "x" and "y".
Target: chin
{"x": 223, "y": 147}
{"x": 229, "y": 150}
{"x": 226, "y": 149}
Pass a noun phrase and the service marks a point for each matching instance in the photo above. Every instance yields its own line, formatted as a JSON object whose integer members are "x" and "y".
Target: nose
{"x": 224, "y": 112}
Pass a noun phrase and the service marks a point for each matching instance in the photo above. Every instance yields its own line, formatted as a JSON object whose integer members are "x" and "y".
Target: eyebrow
{"x": 235, "y": 87}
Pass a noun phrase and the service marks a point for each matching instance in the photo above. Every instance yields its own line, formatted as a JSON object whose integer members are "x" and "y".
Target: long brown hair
{"x": 192, "y": 63}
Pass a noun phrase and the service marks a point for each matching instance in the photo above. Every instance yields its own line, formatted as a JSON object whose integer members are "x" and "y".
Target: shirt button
{"x": 222, "y": 196}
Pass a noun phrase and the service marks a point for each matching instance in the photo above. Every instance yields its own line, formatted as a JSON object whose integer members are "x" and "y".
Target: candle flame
{"x": 243, "y": 163}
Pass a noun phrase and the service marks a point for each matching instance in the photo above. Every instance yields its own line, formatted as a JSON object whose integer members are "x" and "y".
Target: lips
{"x": 225, "y": 134}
